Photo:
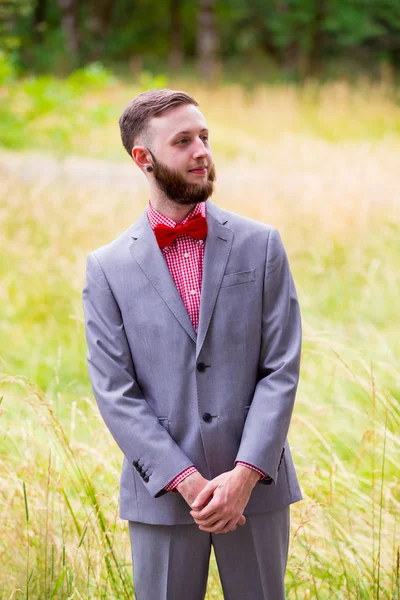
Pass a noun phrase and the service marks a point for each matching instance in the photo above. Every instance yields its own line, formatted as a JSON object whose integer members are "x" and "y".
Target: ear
{"x": 141, "y": 157}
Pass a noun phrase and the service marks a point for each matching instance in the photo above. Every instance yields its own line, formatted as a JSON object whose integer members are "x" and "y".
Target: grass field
{"x": 324, "y": 169}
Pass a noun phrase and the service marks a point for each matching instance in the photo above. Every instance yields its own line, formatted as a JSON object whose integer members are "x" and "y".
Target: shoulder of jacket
{"x": 236, "y": 221}
{"x": 114, "y": 247}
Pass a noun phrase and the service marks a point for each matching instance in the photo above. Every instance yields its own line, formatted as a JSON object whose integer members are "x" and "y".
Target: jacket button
{"x": 135, "y": 464}
{"x": 201, "y": 367}
{"x": 207, "y": 417}
{"x": 146, "y": 478}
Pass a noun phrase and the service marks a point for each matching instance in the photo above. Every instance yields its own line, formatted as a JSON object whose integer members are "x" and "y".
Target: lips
{"x": 199, "y": 170}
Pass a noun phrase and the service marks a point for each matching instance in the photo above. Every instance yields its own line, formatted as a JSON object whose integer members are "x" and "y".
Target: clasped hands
{"x": 218, "y": 505}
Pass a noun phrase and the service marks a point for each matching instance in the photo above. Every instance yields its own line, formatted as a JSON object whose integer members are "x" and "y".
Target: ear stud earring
{"x": 149, "y": 169}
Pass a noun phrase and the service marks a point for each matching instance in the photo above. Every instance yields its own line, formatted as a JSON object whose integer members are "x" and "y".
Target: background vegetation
{"x": 275, "y": 38}
{"x": 317, "y": 157}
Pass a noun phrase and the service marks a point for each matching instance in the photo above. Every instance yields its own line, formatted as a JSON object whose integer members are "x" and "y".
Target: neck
{"x": 170, "y": 209}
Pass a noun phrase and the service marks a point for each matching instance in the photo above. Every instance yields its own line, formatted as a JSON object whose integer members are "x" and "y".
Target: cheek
{"x": 180, "y": 161}
{"x": 209, "y": 155}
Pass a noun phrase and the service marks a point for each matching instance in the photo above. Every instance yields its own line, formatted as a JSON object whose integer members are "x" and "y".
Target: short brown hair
{"x": 137, "y": 114}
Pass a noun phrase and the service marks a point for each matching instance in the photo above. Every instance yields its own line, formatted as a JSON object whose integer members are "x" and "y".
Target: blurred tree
{"x": 207, "y": 39}
{"x": 388, "y": 17}
{"x": 287, "y": 40}
{"x": 316, "y": 47}
{"x": 293, "y": 37}
{"x": 69, "y": 21}
{"x": 39, "y": 20}
{"x": 176, "y": 56}
{"x": 292, "y": 31}
{"x": 99, "y": 25}
{"x": 300, "y": 36}
{"x": 12, "y": 13}
{"x": 140, "y": 33}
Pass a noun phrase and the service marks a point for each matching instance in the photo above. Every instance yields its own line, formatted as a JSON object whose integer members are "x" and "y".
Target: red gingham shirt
{"x": 184, "y": 258}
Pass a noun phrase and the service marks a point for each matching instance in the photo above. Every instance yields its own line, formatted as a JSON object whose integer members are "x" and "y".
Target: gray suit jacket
{"x": 172, "y": 398}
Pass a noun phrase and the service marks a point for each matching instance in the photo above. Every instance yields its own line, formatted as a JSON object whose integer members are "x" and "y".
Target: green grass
{"x": 337, "y": 207}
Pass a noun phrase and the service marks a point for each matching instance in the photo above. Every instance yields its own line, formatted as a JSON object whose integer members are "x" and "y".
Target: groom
{"x": 194, "y": 337}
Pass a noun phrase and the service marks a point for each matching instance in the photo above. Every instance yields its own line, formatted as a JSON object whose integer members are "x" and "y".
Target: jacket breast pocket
{"x": 238, "y": 278}
{"x": 164, "y": 421}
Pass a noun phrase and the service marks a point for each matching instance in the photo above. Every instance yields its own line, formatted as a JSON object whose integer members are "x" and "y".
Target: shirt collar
{"x": 157, "y": 218}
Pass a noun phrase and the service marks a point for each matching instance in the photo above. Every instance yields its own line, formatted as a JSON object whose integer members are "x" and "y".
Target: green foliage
{"x": 13, "y": 13}
{"x": 7, "y": 69}
{"x": 93, "y": 77}
{"x": 355, "y": 23}
{"x": 48, "y": 109}
{"x": 47, "y": 112}
{"x": 294, "y": 36}
{"x": 43, "y": 95}
{"x": 149, "y": 81}
{"x": 300, "y": 35}
{"x": 12, "y": 128}
{"x": 47, "y": 55}
{"x": 143, "y": 29}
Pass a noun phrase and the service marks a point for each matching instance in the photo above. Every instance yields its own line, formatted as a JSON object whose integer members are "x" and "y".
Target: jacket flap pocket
{"x": 237, "y": 278}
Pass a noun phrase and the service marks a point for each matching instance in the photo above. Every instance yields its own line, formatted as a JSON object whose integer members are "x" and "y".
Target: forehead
{"x": 186, "y": 117}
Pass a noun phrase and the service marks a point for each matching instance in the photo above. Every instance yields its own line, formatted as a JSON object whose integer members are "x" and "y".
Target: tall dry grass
{"x": 337, "y": 207}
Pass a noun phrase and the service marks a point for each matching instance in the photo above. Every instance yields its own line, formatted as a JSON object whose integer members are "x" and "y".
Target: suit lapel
{"x": 148, "y": 255}
{"x": 216, "y": 255}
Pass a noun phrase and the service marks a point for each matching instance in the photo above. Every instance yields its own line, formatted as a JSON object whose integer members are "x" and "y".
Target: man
{"x": 194, "y": 336}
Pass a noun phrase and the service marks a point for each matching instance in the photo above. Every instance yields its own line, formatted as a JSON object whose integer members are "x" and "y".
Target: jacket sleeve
{"x": 268, "y": 419}
{"x": 135, "y": 427}
{"x": 171, "y": 487}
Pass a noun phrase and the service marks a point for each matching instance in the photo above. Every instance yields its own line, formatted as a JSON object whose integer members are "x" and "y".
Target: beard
{"x": 177, "y": 189}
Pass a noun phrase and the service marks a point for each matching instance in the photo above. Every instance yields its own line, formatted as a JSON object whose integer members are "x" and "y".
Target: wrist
{"x": 182, "y": 485}
{"x": 247, "y": 475}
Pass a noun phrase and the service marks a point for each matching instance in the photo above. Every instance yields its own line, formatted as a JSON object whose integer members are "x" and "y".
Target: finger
{"x": 197, "y": 510}
{"x": 218, "y": 525}
{"x": 210, "y": 511}
{"x": 205, "y": 494}
{"x": 214, "y": 517}
{"x": 202, "y": 515}
{"x": 230, "y": 526}
{"x": 210, "y": 521}
{"x": 212, "y": 507}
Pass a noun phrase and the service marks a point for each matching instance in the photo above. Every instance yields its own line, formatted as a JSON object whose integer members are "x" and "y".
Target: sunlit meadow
{"x": 322, "y": 164}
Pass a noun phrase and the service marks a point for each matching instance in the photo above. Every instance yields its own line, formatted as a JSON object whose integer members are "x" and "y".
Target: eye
{"x": 182, "y": 141}
{"x": 205, "y": 138}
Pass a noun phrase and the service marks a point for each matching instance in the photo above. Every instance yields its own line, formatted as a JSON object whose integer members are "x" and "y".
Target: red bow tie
{"x": 195, "y": 227}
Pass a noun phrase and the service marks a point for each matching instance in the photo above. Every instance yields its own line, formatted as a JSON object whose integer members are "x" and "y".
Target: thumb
{"x": 242, "y": 520}
{"x": 205, "y": 494}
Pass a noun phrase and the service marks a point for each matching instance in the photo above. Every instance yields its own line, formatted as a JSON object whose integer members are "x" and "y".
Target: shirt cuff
{"x": 172, "y": 484}
{"x": 245, "y": 464}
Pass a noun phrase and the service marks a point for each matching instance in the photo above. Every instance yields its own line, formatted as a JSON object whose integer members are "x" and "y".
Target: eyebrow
{"x": 188, "y": 132}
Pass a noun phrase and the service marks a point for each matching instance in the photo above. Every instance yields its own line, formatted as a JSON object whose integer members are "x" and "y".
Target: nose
{"x": 200, "y": 150}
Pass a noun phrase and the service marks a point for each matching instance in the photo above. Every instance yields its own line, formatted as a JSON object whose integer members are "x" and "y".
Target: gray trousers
{"x": 170, "y": 562}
